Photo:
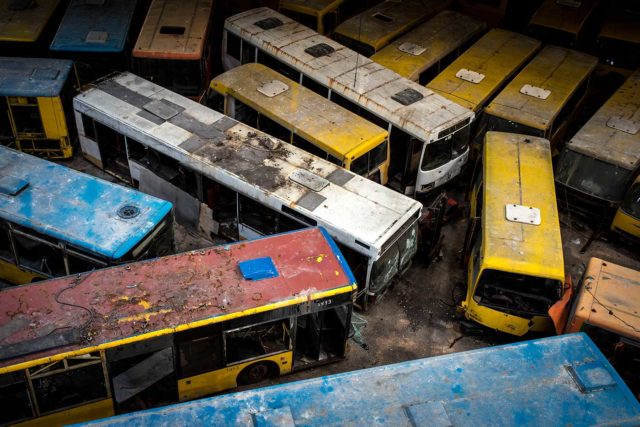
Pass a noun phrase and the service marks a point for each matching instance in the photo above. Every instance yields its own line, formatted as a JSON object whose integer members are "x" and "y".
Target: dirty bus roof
{"x": 434, "y": 40}
{"x": 39, "y": 77}
{"x": 553, "y": 14}
{"x": 612, "y": 288}
{"x": 333, "y": 128}
{"x": 612, "y": 134}
{"x": 563, "y": 380}
{"x": 374, "y": 84}
{"x": 252, "y": 163}
{"x": 173, "y": 293}
{"x": 73, "y": 206}
{"x": 94, "y": 26}
{"x": 517, "y": 170}
{"x": 497, "y": 56}
{"x": 380, "y": 24}
{"x": 25, "y": 25}
{"x": 174, "y": 29}
{"x": 559, "y": 70}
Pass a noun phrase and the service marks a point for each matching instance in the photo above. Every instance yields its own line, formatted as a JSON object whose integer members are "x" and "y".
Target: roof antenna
{"x": 355, "y": 75}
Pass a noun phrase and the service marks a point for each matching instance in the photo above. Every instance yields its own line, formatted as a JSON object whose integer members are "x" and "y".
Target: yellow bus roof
{"x": 322, "y": 122}
{"x": 553, "y": 14}
{"x": 311, "y": 7}
{"x": 174, "y": 29}
{"x": 556, "y": 69}
{"x": 518, "y": 170}
{"x": 385, "y": 21}
{"x": 428, "y": 43}
{"x": 610, "y": 298}
{"x": 621, "y": 25}
{"x": 25, "y": 25}
{"x": 612, "y": 134}
{"x": 496, "y": 56}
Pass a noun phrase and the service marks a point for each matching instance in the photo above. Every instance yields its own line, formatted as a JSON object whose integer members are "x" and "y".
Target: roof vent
{"x": 523, "y": 214}
{"x": 382, "y": 17}
{"x": 268, "y": 23}
{"x": 412, "y": 48}
{"x": 96, "y": 37}
{"x": 534, "y": 91}
{"x": 22, "y": 4}
{"x": 128, "y": 211}
{"x": 320, "y": 49}
{"x": 163, "y": 108}
{"x": 469, "y": 75}
{"x": 273, "y": 88}
{"x": 407, "y": 96}
{"x": 591, "y": 376}
{"x": 258, "y": 269}
{"x": 44, "y": 74}
{"x": 624, "y": 125}
{"x": 308, "y": 179}
{"x": 172, "y": 29}
{"x": 11, "y": 186}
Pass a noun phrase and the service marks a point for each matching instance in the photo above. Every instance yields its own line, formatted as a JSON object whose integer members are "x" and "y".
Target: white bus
{"x": 429, "y": 135}
{"x": 231, "y": 180}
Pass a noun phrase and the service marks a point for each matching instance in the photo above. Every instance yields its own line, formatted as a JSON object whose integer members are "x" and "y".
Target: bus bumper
{"x": 504, "y": 322}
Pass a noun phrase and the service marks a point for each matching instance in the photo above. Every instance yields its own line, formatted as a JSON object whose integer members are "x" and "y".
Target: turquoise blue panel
{"x": 258, "y": 269}
{"x": 33, "y": 76}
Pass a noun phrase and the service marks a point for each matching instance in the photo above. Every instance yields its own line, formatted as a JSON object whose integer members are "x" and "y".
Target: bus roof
{"x": 168, "y": 294}
{"x": 24, "y": 21}
{"x": 351, "y": 75}
{"x": 311, "y": 7}
{"x": 428, "y": 43}
{"x": 559, "y": 70}
{"x": 94, "y": 26}
{"x": 572, "y": 384}
{"x": 74, "y": 207}
{"x": 518, "y": 171}
{"x": 564, "y": 15}
{"x": 612, "y": 134}
{"x": 322, "y": 122}
{"x": 385, "y": 21}
{"x": 174, "y": 29}
{"x": 251, "y": 162}
{"x": 622, "y": 25}
{"x": 33, "y": 76}
{"x": 609, "y": 298}
{"x": 495, "y": 57}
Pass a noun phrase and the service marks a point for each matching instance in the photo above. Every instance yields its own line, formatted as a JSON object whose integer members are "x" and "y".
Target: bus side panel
{"x": 55, "y": 123}
{"x": 226, "y": 378}
{"x": 14, "y": 274}
{"x": 628, "y": 225}
{"x": 86, "y": 412}
{"x": 90, "y": 149}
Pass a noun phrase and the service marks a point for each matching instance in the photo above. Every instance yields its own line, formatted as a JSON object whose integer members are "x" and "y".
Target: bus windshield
{"x": 631, "y": 204}
{"x": 443, "y": 150}
{"x": 592, "y": 176}
{"x": 517, "y": 293}
{"x": 182, "y": 76}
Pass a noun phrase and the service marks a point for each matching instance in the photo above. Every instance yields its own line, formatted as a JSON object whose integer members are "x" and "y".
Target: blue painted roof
{"x": 77, "y": 208}
{"x": 94, "y": 27}
{"x": 532, "y": 383}
{"x": 33, "y": 76}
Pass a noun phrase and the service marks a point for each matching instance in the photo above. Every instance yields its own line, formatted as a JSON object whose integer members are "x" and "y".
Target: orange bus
{"x": 173, "y": 48}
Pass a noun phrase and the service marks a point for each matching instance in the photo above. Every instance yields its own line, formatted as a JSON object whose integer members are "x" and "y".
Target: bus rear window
{"x": 370, "y": 161}
{"x": 517, "y": 293}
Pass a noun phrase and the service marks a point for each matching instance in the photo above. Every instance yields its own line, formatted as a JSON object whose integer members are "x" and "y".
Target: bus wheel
{"x": 256, "y": 373}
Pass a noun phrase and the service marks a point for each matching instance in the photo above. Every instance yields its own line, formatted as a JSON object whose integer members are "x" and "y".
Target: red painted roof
{"x": 118, "y": 302}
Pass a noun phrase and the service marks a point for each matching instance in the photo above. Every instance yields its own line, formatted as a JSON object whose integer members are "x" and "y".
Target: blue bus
{"x": 56, "y": 221}
{"x": 97, "y": 33}
{"x": 557, "y": 381}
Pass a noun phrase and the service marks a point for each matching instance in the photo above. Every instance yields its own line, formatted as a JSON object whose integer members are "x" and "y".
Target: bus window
{"x": 264, "y": 220}
{"x": 182, "y": 76}
{"x": 320, "y": 335}
{"x": 256, "y": 341}
{"x": 233, "y": 45}
{"x": 631, "y": 204}
{"x": 442, "y": 150}
{"x": 79, "y": 262}
{"x": 14, "y": 394}
{"x": 308, "y": 82}
{"x": 37, "y": 253}
{"x": 274, "y": 64}
{"x": 25, "y": 116}
{"x": 6, "y": 252}
{"x": 271, "y": 127}
{"x": 370, "y": 161}
{"x": 199, "y": 350}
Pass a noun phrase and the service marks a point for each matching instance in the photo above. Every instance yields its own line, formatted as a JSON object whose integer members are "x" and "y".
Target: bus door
{"x": 111, "y": 147}
{"x": 142, "y": 374}
{"x": 405, "y": 158}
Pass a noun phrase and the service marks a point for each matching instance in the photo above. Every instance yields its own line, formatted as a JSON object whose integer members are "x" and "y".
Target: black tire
{"x": 256, "y": 373}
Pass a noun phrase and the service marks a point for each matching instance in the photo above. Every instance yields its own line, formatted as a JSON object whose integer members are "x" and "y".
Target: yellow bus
{"x": 27, "y": 26}
{"x": 265, "y": 99}
{"x": 171, "y": 329}
{"x": 601, "y": 161}
{"x": 618, "y": 42}
{"x": 607, "y": 308}
{"x": 36, "y": 115}
{"x": 423, "y": 52}
{"x": 173, "y": 48}
{"x": 513, "y": 248}
{"x": 544, "y": 98}
{"x": 627, "y": 218}
{"x": 373, "y": 29}
{"x": 319, "y": 15}
{"x": 564, "y": 22}
{"x": 483, "y": 69}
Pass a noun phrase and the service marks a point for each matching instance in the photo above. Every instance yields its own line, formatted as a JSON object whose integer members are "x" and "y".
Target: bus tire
{"x": 257, "y": 372}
